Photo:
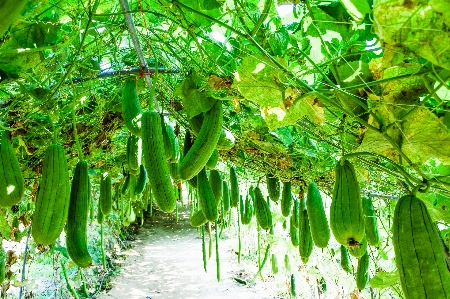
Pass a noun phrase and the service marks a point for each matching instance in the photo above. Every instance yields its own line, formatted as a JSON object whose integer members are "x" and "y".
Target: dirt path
{"x": 165, "y": 262}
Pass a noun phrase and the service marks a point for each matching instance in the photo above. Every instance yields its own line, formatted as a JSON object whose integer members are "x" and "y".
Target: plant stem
{"x": 75, "y": 132}
{"x": 210, "y": 240}
{"x": 266, "y": 255}
{"x": 202, "y": 232}
{"x": 24, "y": 262}
{"x": 83, "y": 282}
{"x": 217, "y": 252}
{"x": 263, "y": 17}
{"x": 137, "y": 46}
{"x": 102, "y": 247}
{"x": 66, "y": 278}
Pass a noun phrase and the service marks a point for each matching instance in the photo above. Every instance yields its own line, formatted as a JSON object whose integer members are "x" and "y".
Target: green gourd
{"x": 318, "y": 222}
{"x": 53, "y": 197}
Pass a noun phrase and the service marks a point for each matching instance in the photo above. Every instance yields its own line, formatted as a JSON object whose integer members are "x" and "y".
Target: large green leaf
{"x": 260, "y": 81}
{"x": 384, "y": 279}
{"x": 279, "y": 41}
{"x": 194, "y": 100}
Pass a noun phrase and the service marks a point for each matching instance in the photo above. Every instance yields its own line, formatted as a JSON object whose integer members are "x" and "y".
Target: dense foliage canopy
{"x": 302, "y": 84}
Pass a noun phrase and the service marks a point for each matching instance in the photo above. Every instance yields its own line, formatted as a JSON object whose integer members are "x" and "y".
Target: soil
{"x": 165, "y": 262}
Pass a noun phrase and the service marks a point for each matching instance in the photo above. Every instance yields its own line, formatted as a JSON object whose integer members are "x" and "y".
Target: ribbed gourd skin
{"x": 11, "y": 179}
{"x": 234, "y": 188}
{"x": 226, "y": 197}
{"x": 213, "y": 159}
{"x": 419, "y": 254}
{"x": 215, "y": 179}
{"x": 105, "y": 199}
{"x": 296, "y": 213}
{"x": 370, "y": 222}
{"x": 204, "y": 145}
{"x": 246, "y": 210}
{"x": 133, "y": 153}
{"x": 346, "y": 215}
{"x": 273, "y": 187}
{"x": 306, "y": 243}
{"x": 362, "y": 272}
{"x": 286, "y": 199}
{"x": 345, "y": 260}
{"x": 318, "y": 222}
{"x": 262, "y": 210}
{"x": 131, "y": 107}
{"x": 155, "y": 161}
{"x": 53, "y": 197}
{"x": 198, "y": 219}
{"x": 170, "y": 142}
{"x": 226, "y": 139}
{"x": 206, "y": 196}
{"x": 76, "y": 234}
{"x": 141, "y": 180}
{"x": 293, "y": 231}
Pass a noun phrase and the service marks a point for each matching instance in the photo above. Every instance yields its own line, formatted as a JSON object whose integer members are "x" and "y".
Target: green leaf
{"x": 384, "y": 279}
{"x": 438, "y": 206}
{"x": 209, "y": 4}
{"x": 279, "y": 41}
{"x": 425, "y": 137}
{"x": 194, "y": 101}
{"x": 356, "y": 8}
{"x": 259, "y": 80}
{"x": 4, "y": 226}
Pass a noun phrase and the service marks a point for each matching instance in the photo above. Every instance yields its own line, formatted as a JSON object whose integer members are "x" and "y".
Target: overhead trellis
{"x": 295, "y": 97}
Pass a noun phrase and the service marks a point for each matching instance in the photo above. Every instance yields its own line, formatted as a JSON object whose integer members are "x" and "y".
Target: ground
{"x": 165, "y": 262}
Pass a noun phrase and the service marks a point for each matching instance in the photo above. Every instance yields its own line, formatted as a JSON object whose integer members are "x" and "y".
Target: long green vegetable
{"x": 266, "y": 256}
{"x": 217, "y": 252}
{"x": 202, "y": 232}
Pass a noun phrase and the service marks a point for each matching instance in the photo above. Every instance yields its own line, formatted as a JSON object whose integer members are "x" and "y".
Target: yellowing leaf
{"x": 425, "y": 137}
{"x": 259, "y": 81}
